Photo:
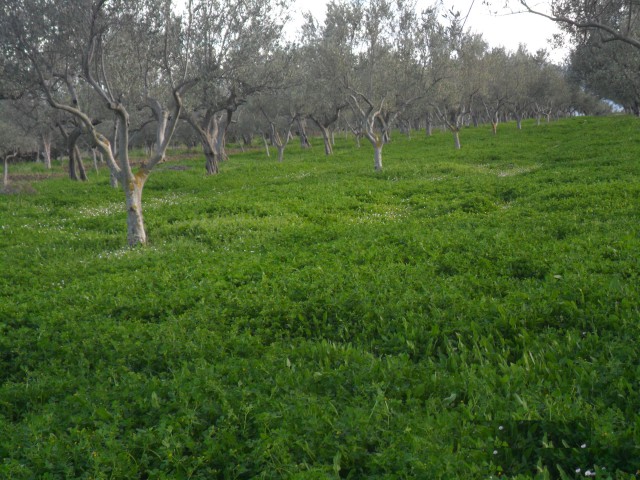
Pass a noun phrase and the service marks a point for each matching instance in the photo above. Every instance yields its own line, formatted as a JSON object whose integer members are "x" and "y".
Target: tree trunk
{"x": 385, "y": 125}
{"x": 518, "y": 121}
{"x": 324, "y": 124}
{"x": 377, "y": 158}
{"x": 148, "y": 147}
{"x": 135, "y": 221}
{"x": 456, "y": 139}
{"x": 211, "y": 138}
{"x": 221, "y": 146}
{"x": 212, "y": 163}
{"x": 78, "y": 157}
{"x": 75, "y": 162}
{"x": 407, "y": 127}
{"x": 46, "y": 150}
{"x": 5, "y": 172}
{"x": 377, "y": 145}
{"x": 494, "y": 127}
{"x": 220, "y": 134}
{"x": 277, "y": 139}
{"x": 115, "y": 135}
{"x": 73, "y": 174}
{"x": 266, "y": 144}
{"x": 326, "y": 137}
{"x": 95, "y": 159}
{"x": 113, "y": 179}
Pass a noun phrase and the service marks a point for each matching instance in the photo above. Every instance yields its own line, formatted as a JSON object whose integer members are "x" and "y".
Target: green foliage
{"x": 462, "y": 314}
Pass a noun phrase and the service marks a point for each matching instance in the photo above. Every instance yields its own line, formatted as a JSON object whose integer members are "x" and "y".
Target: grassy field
{"x": 462, "y": 314}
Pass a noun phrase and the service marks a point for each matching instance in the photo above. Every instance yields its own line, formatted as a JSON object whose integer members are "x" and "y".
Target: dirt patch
{"x": 33, "y": 177}
{"x": 183, "y": 156}
{"x": 176, "y": 167}
{"x": 15, "y": 188}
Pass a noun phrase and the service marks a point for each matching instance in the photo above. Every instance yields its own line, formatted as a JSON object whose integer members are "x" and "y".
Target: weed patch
{"x": 462, "y": 314}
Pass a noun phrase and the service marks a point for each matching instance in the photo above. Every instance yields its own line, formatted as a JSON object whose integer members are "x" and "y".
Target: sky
{"x": 498, "y": 31}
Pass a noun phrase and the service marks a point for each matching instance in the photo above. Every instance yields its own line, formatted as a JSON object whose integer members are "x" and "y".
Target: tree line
{"x": 111, "y": 74}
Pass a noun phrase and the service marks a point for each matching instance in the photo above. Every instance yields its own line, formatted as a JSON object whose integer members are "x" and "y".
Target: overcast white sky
{"x": 505, "y": 30}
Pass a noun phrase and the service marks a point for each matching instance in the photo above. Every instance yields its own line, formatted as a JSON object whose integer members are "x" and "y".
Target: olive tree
{"x": 283, "y": 104}
{"x": 609, "y": 70}
{"x": 520, "y": 75}
{"x": 232, "y": 55}
{"x": 385, "y": 72}
{"x": 328, "y": 58}
{"x": 459, "y": 91}
{"x": 130, "y": 54}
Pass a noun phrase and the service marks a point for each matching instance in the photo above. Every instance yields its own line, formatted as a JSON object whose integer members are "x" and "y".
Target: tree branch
{"x": 584, "y": 25}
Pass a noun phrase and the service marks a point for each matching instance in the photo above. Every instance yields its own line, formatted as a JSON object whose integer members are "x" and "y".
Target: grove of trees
{"x": 108, "y": 75}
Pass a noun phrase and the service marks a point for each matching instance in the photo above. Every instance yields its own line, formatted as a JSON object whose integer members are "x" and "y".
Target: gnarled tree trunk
{"x": 76, "y": 167}
{"x": 211, "y": 130}
{"x": 136, "y": 234}
{"x": 302, "y": 131}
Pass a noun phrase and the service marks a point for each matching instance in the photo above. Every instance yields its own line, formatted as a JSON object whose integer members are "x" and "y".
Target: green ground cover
{"x": 462, "y": 314}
